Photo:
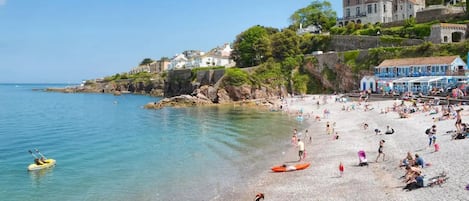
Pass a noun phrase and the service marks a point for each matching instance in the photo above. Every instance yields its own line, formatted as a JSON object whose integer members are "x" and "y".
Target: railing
{"x": 419, "y": 74}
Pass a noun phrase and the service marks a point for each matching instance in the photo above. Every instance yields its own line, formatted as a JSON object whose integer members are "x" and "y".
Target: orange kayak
{"x": 288, "y": 168}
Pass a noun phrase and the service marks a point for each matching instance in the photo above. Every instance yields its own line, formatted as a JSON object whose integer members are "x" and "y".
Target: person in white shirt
{"x": 301, "y": 149}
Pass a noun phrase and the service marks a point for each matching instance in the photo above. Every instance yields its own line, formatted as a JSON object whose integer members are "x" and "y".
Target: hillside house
{"x": 383, "y": 11}
{"x": 219, "y": 56}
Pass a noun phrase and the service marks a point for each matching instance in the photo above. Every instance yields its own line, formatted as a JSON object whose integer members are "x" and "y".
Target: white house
{"x": 219, "y": 56}
{"x": 368, "y": 82}
{"x": 177, "y": 62}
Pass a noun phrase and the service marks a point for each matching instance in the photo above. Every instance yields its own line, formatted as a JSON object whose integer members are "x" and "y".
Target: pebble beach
{"x": 381, "y": 180}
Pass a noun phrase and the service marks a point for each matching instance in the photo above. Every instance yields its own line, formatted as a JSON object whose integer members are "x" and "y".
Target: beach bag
{"x": 427, "y": 131}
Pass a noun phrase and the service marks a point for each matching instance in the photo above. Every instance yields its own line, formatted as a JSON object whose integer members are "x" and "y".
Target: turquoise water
{"x": 110, "y": 148}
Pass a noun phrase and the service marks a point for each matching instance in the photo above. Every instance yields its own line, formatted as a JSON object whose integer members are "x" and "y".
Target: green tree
{"x": 146, "y": 61}
{"x": 285, "y": 44}
{"x": 300, "y": 83}
{"x": 235, "y": 77}
{"x": 251, "y": 47}
{"x": 317, "y": 12}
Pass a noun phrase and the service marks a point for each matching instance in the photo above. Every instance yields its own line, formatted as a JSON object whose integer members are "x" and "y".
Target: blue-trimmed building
{"x": 420, "y": 74}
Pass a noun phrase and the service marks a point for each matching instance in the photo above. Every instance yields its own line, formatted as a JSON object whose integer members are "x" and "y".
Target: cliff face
{"x": 154, "y": 88}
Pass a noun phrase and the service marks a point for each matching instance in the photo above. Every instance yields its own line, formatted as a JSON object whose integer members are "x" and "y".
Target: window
{"x": 347, "y": 12}
{"x": 370, "y": 9}
{"x": 410, "y": 6}
{"x": 358, "y": 1}
{"x": 358, "y": 11}
{"x": 384, "y": 8}
{"x": 348, "y": 2}
{"x": 375, "y": 9}
{"x": 401, "y": 7}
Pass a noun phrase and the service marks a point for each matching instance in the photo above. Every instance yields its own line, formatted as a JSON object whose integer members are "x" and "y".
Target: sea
{"x": 110, "y": 148}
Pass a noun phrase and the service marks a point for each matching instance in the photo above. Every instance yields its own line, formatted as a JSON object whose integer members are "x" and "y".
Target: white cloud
{"x": 3, "y": 2}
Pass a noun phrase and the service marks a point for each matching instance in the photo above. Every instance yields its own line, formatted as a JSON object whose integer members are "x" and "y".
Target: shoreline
{"x": 378, "y": 181}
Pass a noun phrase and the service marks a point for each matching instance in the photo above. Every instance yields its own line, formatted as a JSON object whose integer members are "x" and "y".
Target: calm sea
{"x": 110, "y": 148}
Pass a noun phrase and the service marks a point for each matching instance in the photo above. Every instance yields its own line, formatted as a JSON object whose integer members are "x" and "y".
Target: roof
{"x": 417, "y": 61}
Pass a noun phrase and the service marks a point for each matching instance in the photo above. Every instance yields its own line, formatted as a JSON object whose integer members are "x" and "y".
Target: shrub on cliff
{"x": 236, "y": 77}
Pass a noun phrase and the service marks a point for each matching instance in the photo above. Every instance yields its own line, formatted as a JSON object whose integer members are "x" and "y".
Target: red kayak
{"x": 288, "y": 168}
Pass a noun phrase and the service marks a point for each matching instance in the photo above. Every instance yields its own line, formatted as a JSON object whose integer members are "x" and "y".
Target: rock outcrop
{"x": 180, "y": 101}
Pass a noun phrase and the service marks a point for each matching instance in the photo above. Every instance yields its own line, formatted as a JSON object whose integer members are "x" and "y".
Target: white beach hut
{"x": 368, "y": 82}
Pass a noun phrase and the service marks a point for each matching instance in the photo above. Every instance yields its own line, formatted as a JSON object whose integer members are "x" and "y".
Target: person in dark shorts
{"x": 380, "y": 150}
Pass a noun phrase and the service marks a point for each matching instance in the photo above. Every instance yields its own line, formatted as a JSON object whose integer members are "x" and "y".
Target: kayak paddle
{"x": 37, "y": 151}
{"x": 32, "y": 154}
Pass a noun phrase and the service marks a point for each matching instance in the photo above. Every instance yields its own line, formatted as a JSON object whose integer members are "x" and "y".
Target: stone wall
{"x": 439, "y": 13}
{"x": 348, "y": 42}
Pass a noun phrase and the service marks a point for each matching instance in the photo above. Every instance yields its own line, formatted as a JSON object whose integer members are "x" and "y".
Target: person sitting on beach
{"x": 408, "y": 160}
{"x": 259, "y": 196}
{"x": 389, "y": 130}
{"x": 377, "y": 131}
{"x": 365, "y": 126}
{"x": 419, "y": 161}
{"x": 411, "y": 173}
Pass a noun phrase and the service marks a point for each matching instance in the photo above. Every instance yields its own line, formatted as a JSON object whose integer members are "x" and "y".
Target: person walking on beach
{"x": 301, "y": 149}
{"x": 380, "y": 150}
{"x": 431, "y": 132}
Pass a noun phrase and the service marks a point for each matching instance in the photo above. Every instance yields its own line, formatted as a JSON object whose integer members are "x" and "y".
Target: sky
{"x": 67, "y": 41}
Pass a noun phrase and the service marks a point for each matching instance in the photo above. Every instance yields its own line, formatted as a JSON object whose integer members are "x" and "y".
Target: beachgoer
{"x": 328, "y": 128}
{"x": 458, "y": 120}
{"x": 389, "y": 130}
{"x": 38, "y": 161}
{"x": 307, "y": 136}
{"x": 341, "y": 169}
{"x": 408, "y": 160}
{"x": 377, "y": 131}
{"x": 412, "y": 173}
{"x": 365, "y": 126}
{"x": 431, "y": 132}
{"x": 259, "y": 196}
{"x": 380, "y": 150}
{"x": 419, "y": 161}
{"x": 294, "y": 140}
{"x": 336, "y": 136}
{"x": 301, "y": 149}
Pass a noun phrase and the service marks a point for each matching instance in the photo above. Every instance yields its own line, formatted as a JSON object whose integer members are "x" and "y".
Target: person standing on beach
{"x": 301, "y": 149}
{"x": 458, "y": 123}
{"x": 380, "y": 150}
{"x": 307, "y": 136}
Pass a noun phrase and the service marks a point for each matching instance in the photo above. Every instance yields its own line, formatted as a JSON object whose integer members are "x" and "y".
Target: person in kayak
{"x": 40, "y": 161}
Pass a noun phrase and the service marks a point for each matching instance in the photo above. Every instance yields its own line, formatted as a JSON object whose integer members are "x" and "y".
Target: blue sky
{"x": 66, "y": 41}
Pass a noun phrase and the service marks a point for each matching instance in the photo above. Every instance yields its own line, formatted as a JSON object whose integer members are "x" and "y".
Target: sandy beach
{"x": 380, "y": 180}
